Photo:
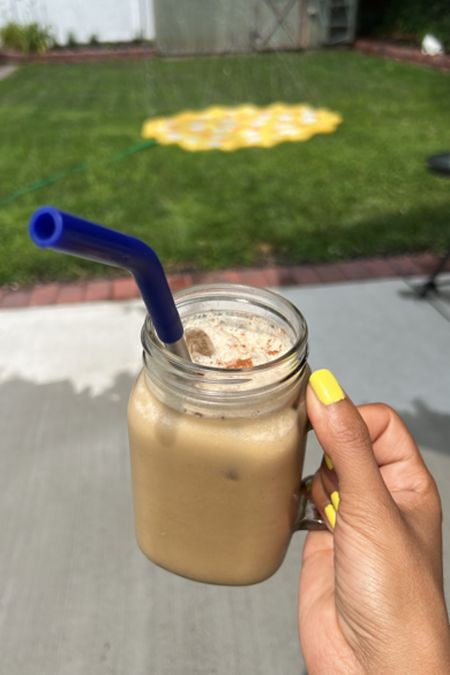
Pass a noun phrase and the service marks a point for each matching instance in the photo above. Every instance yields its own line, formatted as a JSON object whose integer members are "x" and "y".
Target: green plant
{"x": 38, "y": 38}
{"x": 12, "y": 36}
{"x": 28, "y": 38}
{"x": 138, "y": 38}
{"x": 93, "y": 40}
{"x": 410, "y": 19}
{"x": 418, "y": 17}
{"x": 71, "y": 41}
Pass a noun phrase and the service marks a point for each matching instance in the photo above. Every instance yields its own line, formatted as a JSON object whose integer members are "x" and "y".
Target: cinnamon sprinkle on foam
{"x": 234, "y": 340}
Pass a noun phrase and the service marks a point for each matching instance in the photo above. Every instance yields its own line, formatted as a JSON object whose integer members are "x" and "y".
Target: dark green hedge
{"x": 407, "y": 20}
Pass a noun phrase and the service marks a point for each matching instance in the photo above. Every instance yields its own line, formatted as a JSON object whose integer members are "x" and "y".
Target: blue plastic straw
{"x": 51, "y": 228}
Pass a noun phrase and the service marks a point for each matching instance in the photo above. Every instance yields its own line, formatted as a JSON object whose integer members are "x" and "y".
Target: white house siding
{"x": 109, "y": 20}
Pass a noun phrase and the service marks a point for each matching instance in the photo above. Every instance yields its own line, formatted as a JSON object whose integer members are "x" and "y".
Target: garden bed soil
{"x": 401, "y": 52}
{"x": 78, "y": 55}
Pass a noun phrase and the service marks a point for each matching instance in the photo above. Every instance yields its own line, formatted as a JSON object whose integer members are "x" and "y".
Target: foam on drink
{"x": 226, "y": 340}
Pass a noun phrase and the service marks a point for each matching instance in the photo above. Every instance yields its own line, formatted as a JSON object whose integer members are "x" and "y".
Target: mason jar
{"x": 217, "y": 453}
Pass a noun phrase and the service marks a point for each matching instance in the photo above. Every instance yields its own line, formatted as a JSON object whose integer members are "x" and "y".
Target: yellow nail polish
{"x": 335, "y": 499}
{"x": 331, "y": 515}
{"x": 329, "y": 462}
{"x": 326, "y": 387}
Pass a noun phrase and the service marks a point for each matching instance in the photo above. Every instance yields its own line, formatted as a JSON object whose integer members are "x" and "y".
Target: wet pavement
{"x": 76, "y": 595}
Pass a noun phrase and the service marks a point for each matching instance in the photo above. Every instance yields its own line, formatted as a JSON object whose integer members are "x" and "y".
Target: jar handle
{"x": 308, "y": 517}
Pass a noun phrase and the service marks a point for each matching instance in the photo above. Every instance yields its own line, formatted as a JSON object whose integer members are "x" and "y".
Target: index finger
{"x": 394, "y": 446}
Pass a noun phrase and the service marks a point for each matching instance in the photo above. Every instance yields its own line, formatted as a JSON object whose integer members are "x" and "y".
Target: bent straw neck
{"x": 51, "y": 228}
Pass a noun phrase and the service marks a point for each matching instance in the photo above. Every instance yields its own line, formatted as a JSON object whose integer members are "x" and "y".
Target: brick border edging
{"x": 89, "y": 55}
{"x": 81, "y": 55}
{"x": 124, "y": 288}
{"x": 400, "y": 53}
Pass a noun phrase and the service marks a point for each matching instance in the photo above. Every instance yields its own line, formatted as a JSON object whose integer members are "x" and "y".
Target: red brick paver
{"x": 251, "y": 276}
{"x": 70, "y": 293}
{"x": 406, "y": 265}
{"x": 299, "y": 275}
{"x": 420, "y": 264}
{"x": 44, "y": 294}
{"x": 330, "y": 273}
{"x": 208, "y": 277}
{"x": 16, "y": 299}
{"x": 124, "y": 289}
{"x": 354, "y": 270}
{"x": 379, "y": 268}
{"x": 270, "y": 276}
{"x": 100, "y": 289}
{"x": 426, "y": 261}
{"x": 179, "y": 281}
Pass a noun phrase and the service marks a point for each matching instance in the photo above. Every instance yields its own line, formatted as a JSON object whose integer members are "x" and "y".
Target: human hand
{"x": 371, "y": 589}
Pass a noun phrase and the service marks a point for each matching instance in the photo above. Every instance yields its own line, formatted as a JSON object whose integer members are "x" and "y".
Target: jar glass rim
{"x": 247, "y": 295}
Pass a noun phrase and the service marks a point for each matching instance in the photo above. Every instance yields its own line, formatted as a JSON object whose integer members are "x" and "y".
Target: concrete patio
{"x": 76, "y": 595}
{"x": 6, "y": 70}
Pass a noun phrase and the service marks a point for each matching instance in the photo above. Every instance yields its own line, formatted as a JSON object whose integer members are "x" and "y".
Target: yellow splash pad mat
{"x": 244, "y": 126}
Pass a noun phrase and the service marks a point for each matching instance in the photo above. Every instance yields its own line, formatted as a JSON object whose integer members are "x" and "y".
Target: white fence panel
{"x": 108, "y": 20}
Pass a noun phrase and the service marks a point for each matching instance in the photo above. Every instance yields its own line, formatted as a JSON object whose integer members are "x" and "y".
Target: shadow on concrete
{"x": 65, "y": 499}
{"x": 53, "y": 408}
{"x": 413, "y": 289}
{"x": 79, "y": 595}
{"x": 439, "y": 300}
{"x": 430, "y": 428}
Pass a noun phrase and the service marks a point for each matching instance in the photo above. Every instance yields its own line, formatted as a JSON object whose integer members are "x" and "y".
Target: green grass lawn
{"x": 362, "y": 190}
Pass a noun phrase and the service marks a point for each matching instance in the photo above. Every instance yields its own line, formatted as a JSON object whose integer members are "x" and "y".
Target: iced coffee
{"x": 217, "y": 444}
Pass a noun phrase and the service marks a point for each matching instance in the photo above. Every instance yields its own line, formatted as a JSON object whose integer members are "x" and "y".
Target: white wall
{"x": 109, "y": 20}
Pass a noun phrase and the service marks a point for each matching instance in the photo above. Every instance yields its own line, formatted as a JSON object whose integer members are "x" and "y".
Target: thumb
{"x": 344, "y": 437}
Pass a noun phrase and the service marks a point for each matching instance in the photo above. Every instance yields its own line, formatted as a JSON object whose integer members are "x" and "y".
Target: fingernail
{"x": 329, "y": 462}
{"x": 335, "y": 499}
{"x": 326, "y": 387}
{"x": 331, "y": 515}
